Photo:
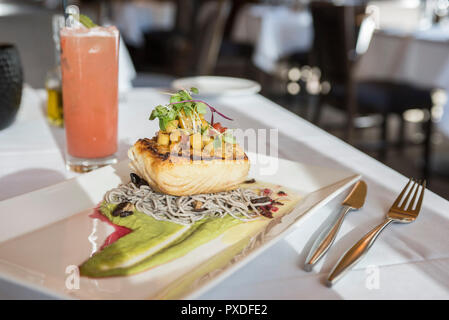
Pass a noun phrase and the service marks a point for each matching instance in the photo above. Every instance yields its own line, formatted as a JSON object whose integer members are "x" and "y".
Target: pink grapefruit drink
{"x": 89, "y": 64}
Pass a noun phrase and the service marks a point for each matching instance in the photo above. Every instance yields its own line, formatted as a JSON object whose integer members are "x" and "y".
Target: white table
{"x": 420, "y": 58}
{"x": 276, "y": 31}
{"x": 133, "y": 18}
{"x": 412, "y": 260}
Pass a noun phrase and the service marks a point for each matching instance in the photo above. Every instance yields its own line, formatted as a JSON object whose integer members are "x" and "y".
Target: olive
{"x": 138, "y": 181}
{"x": 123, "y": 209}
{"x": 119, "y": 208}
{"x": 135, "y": 178}
{"x": 125, "y": 213}
{"x": 261, "y": 200}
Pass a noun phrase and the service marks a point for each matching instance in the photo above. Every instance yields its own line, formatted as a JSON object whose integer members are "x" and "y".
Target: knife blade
{"x": 354, "y": 201}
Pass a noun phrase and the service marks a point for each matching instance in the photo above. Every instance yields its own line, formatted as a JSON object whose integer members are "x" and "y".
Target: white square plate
{"x": 45, "y": 233}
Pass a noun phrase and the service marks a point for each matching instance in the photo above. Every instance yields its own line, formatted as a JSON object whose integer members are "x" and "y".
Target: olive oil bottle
{"x": 53, "y": 82}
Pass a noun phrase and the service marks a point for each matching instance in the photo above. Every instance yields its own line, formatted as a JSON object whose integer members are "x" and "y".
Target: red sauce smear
{"x": 117, "y": 234}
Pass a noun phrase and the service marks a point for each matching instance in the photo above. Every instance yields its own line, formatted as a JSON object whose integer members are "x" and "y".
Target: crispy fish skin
{"x": 184, "y": 175}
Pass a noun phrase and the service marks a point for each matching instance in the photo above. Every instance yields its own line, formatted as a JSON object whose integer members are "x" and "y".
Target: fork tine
{"x": 398, "y": 199}
{"x": 409, "y": 193}
{"x": 421, "y": 196}
{"x": 415, "y": 193}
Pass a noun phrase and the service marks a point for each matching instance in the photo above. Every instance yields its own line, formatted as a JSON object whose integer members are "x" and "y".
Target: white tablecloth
{"x": 276, "y": 31}
{"x": 412, "y": 260}
{"x": 420, "y": 58}
{"x": 133, "y": 18}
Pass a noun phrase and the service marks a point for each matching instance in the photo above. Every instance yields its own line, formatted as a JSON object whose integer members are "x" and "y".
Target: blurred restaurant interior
{"x": 373, "y": 73}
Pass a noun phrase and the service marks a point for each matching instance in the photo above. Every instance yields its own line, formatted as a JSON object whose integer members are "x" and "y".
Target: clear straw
{"x": 64, "y": 8}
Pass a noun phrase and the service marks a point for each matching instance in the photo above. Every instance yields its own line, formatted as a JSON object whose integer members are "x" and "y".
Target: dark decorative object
{"x": 11, "y": 80}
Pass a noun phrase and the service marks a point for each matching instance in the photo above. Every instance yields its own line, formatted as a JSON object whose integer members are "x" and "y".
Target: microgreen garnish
{"x": 182, "y": 102}
{"x": 194, "y": 90}
{"x": 210, "y": 107}
{"x": 164, "y": 114}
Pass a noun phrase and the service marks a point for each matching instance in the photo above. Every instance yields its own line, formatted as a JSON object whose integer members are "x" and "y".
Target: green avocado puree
{"x": 141, "y": 249}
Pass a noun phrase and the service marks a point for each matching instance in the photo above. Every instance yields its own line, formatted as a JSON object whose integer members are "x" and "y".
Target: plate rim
{"x": 234, "y": 92}
{"x": 352, "y": 177}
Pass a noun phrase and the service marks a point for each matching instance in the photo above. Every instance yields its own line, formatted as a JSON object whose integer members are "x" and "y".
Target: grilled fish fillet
{"x": 182, "y": 176}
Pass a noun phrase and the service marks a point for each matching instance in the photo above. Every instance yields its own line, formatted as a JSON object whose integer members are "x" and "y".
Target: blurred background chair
{"x": 208, "y": 36}
{"x": 335, "y": 54}
{"x": 190, "y": 48}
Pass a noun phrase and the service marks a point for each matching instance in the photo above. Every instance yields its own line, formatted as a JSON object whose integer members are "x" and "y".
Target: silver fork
{"x": 399, "y": 212}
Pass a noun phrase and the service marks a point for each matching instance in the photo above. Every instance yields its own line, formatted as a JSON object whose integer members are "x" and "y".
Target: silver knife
{"x": 353, "y": 201}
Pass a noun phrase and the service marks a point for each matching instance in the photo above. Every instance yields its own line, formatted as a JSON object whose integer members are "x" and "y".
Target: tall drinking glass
{"x": 89, "y": 65}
